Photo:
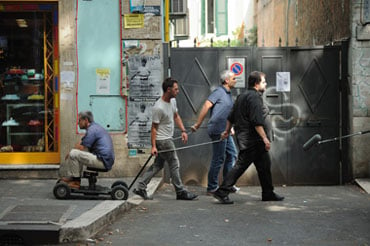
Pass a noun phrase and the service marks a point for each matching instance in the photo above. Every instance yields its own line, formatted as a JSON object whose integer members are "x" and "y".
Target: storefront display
{"x": 28, "y": 80}
{"x": 23, "y": 109}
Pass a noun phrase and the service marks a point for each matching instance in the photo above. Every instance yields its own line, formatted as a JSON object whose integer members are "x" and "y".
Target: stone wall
{"x": 359, "y": 69}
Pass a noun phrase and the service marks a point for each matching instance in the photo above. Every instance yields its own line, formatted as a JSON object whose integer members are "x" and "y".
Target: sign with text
{"x": 283, "y": 81}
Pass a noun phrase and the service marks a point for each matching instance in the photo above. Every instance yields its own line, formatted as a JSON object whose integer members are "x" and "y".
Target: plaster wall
{"x": 68, "y": 109}
{"x": 150, "y": 39}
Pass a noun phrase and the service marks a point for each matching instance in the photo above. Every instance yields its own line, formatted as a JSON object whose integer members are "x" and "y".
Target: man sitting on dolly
{"x": 95, "y": 150}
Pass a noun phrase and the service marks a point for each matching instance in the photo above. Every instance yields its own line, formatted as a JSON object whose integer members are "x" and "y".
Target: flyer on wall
{"x": 144, "y": 89}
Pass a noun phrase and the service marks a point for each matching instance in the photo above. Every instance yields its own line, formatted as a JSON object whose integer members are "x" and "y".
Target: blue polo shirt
{"x": 99, "y": 143}
{"x": 222, "y": 104}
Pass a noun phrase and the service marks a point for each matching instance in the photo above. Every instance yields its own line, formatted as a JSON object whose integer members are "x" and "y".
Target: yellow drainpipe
{"x": 166, "y": 20}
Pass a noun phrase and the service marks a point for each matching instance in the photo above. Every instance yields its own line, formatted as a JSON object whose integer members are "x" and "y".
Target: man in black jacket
{"x": 249, "y": 117}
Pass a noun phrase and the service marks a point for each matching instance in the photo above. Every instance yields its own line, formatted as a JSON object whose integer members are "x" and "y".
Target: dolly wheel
{"x": 62, "y": 190}
{"x": 119, "y": 192}
{"x": 119, "y": 182}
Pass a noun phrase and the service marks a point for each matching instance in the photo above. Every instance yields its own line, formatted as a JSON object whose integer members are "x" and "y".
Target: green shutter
{"x": 203, "y": 18}
{"x": 221, "y": 17}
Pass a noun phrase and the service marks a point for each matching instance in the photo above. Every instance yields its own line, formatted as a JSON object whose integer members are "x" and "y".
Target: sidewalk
{"x": 30, "y": 212}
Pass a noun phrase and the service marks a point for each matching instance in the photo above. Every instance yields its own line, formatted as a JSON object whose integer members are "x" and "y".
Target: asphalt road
{"x": 310, "y": 215}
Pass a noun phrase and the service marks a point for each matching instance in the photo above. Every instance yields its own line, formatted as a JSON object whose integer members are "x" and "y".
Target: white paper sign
{"x": 283, "y": 81}
{"x": 102, "y": 81}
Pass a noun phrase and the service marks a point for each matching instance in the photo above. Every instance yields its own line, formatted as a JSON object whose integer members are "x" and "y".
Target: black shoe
{"x": 142, "y": 193}
{"x": 222, "y": 199}
{"x": 185, "y": 195}
{"x": 272, "y": 197}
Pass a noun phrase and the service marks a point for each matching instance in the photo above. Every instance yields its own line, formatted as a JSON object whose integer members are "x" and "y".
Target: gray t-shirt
{"x": 163, "y": 114}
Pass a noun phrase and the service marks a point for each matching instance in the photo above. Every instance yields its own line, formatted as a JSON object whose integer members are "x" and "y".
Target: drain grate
{"x": 11, "y": 239}
{"x": 15, "y": 234}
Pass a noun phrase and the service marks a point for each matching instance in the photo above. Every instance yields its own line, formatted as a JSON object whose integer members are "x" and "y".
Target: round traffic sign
{"x": 236, "y": 68}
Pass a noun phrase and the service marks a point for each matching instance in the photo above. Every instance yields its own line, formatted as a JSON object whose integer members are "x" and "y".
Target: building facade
{"x": 56, "y": 59}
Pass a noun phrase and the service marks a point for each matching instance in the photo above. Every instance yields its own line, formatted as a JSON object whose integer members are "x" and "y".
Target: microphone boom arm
{"x": 345, "y": 136}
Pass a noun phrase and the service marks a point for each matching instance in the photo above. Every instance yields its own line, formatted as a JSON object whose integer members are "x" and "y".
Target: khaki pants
{"x": 75, "y": 162}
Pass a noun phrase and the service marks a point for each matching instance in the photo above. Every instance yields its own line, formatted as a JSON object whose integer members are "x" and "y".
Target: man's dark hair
{"x": 168, "y": 83}
{"x": 254, "y": 78}
{"x": 86, "y": 115}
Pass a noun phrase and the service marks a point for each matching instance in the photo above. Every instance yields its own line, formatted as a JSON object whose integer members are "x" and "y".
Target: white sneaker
{"x": 235, "y": 189}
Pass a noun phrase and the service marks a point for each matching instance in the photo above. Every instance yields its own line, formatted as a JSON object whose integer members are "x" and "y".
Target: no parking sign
{"x": 237, "y": 66}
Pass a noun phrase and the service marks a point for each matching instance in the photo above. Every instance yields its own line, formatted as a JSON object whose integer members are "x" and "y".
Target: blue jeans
{"x": 224, "y": 153}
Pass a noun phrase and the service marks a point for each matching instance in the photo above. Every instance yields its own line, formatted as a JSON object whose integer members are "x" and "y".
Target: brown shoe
{"x": 65, "y": 179}
{"x": 210, "y": 193}
{"x": 74, "y": 184}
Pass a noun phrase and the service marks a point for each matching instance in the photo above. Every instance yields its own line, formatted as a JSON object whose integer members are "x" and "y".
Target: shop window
{"x": 28, "y": 79}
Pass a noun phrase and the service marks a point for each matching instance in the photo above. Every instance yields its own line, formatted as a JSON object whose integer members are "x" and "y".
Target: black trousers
{"x": 262, "y": 161}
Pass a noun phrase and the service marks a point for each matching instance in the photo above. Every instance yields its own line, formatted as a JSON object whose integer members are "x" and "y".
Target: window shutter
{"x": 178, "y": 7}
{"x": 221, "y": 17}
{"x": 181, "y": 27}
{"x": 179, "y": 18}
{"x": 203, "y": 18}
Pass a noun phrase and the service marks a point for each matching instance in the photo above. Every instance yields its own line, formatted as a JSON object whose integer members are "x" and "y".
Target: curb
{"x": 92, "y": 221}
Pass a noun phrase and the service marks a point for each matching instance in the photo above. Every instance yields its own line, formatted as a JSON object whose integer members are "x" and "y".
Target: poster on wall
{"x": 144, "y": 73}
{"x": 102, "y": 81}
{"x": 283, "y": 81}
{"x": 137, "y": 6}
{"x": 133, "y": 21}
{"x": 140, "y": 122}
